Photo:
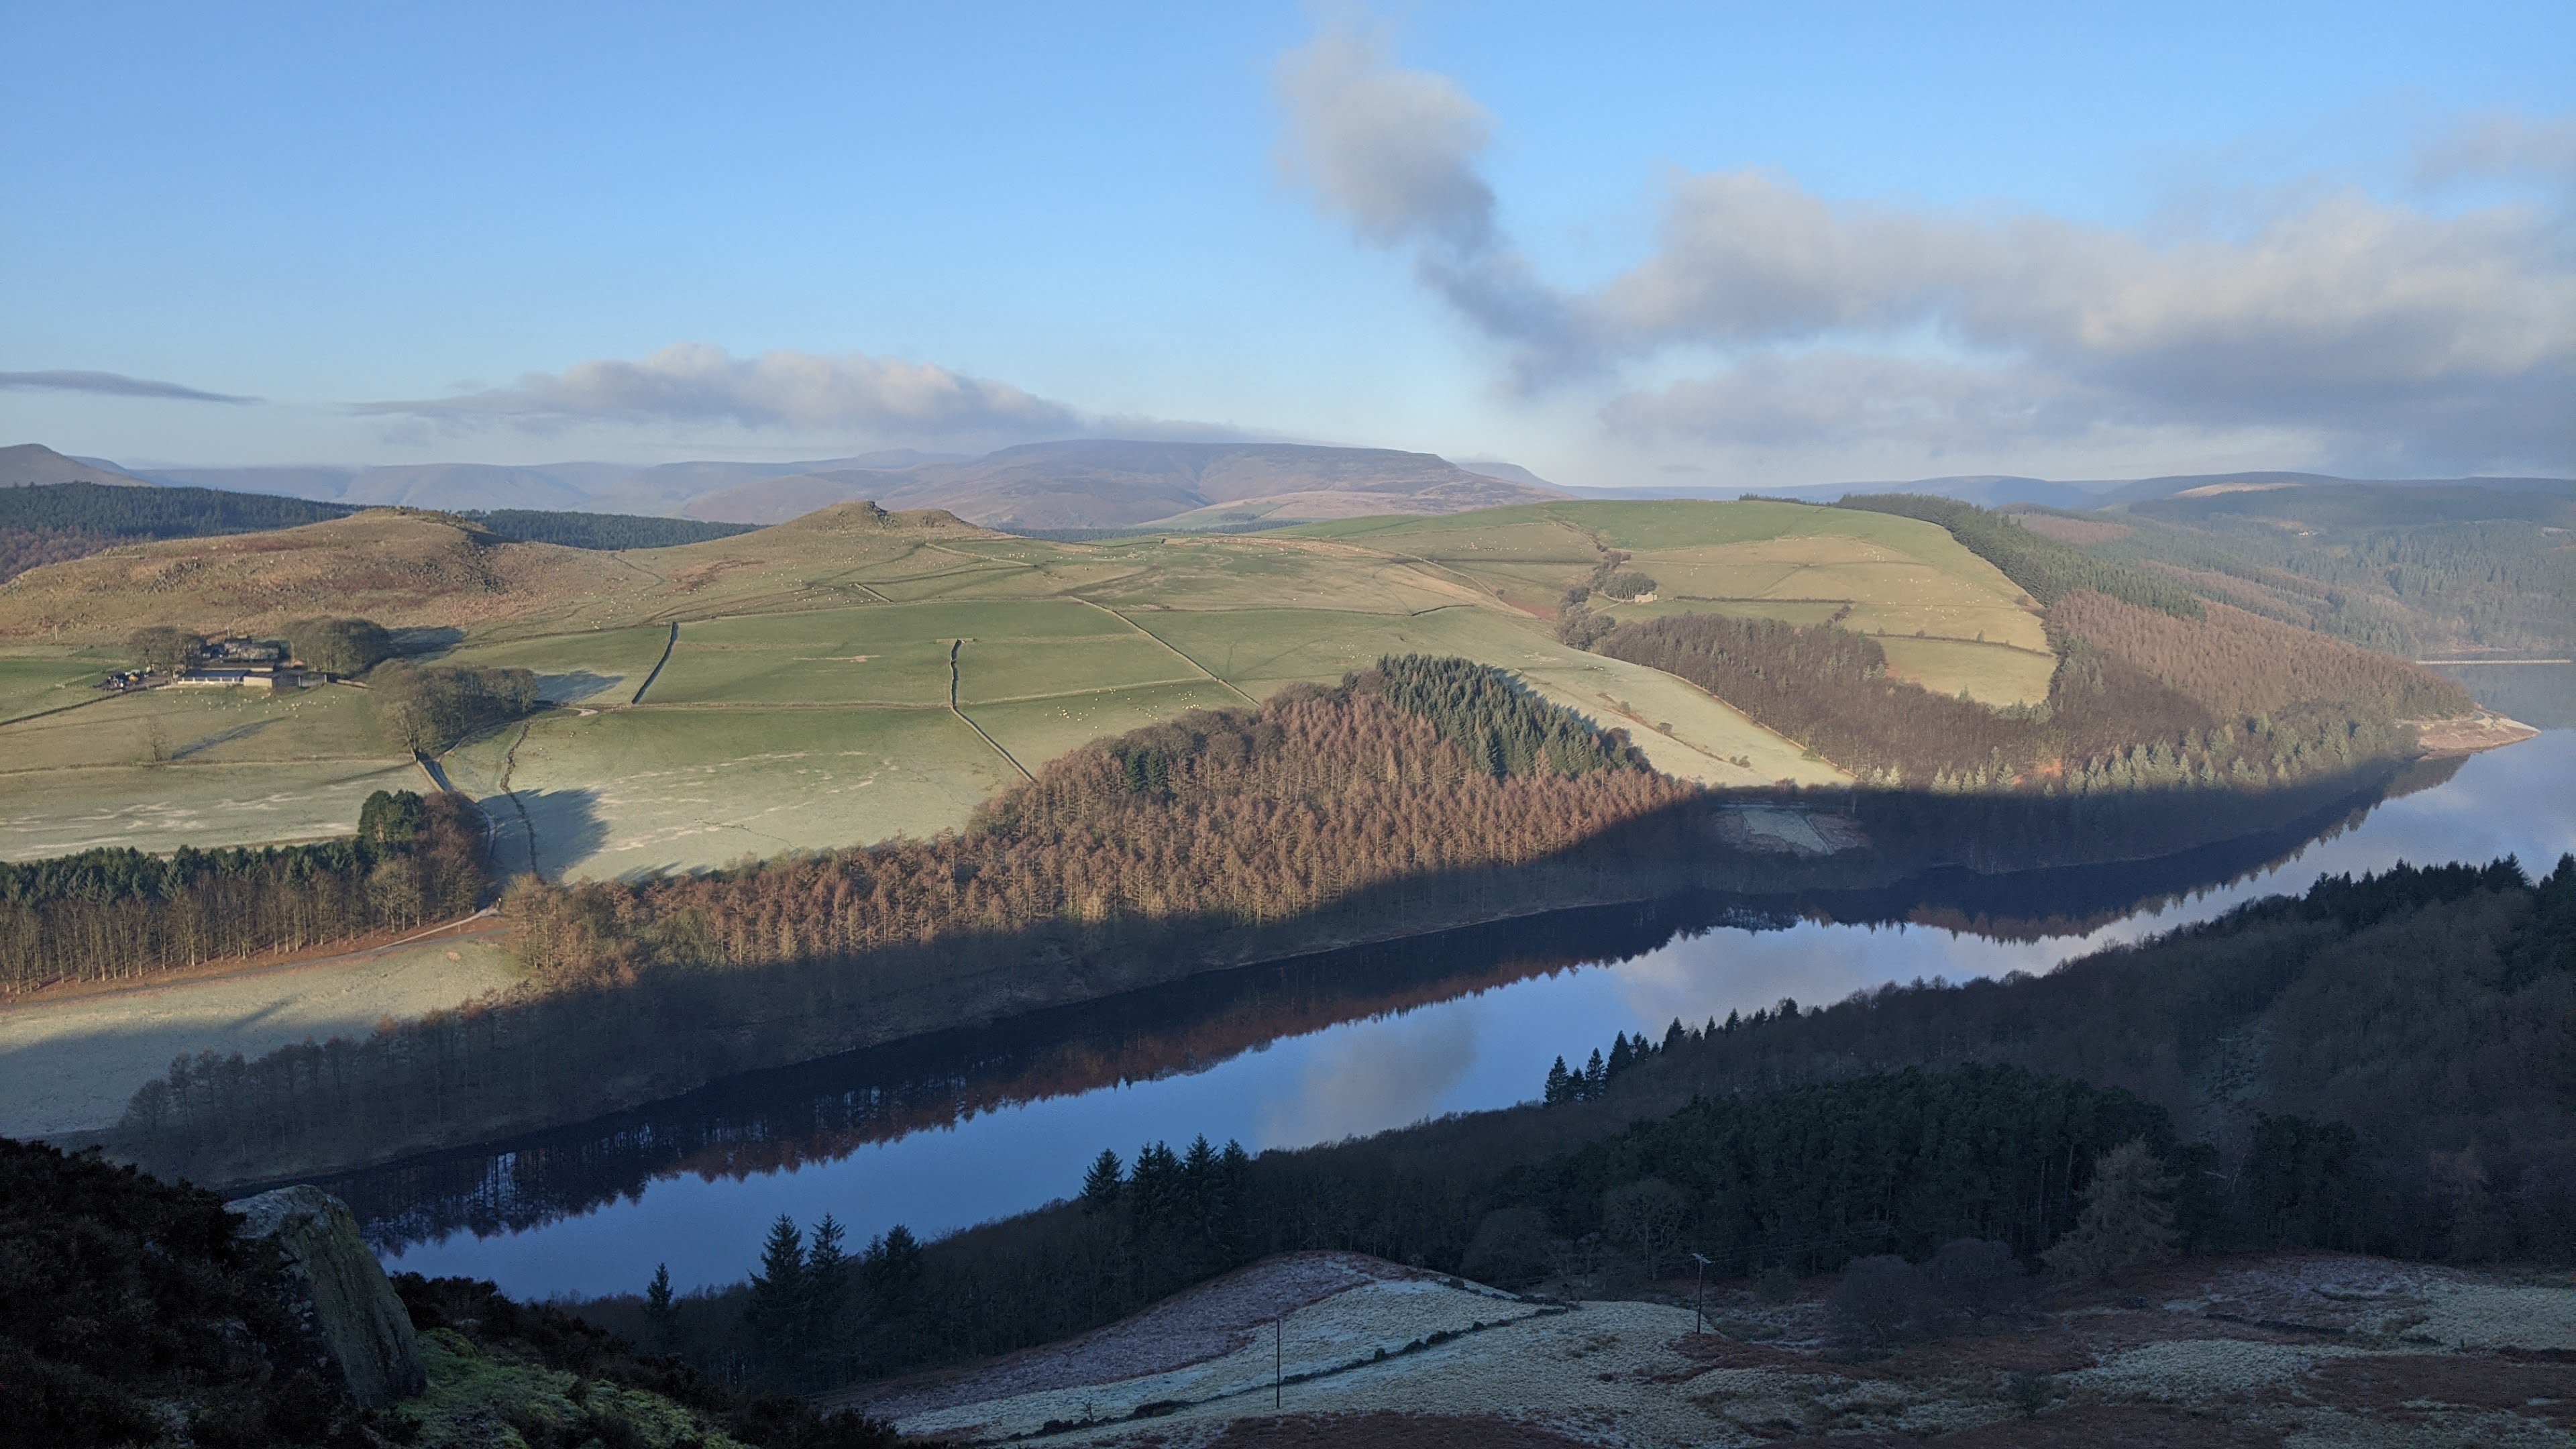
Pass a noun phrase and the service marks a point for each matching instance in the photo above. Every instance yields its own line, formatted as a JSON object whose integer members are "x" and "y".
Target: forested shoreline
{"x": 120, "y": 914}
{"x": 1328, "y": 818}
{"x": 1896, "y": 1121}
{"x": 2139, "y": 701}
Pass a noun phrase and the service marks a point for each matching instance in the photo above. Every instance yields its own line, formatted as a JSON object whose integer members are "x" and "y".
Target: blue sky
{"x": 1631, "y": 244}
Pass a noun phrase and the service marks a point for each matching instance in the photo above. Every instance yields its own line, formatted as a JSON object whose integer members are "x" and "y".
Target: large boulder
{"x": 344, "y": 1299}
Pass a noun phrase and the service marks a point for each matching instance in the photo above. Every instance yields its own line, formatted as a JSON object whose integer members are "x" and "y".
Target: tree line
{"x": 2236, "y": 663}
{"x": 2108, "y": 725}
{"x": 2045, "y": 569}
{"x": 637, "y": 991}
{"x": 598, "y": 530}
{"x": 2414, "y": 1021}
{"x": 329, "y": 644}
{"x": 430, "y": 707}
{"x": 119, "y": 914}
{"x": 1500, "y": 721}
{"x": 1248, "y": 816}
{"x": 1324, "y": 817}
{"x": 139, "y": 513}
{"x": 2413, "y": 1025}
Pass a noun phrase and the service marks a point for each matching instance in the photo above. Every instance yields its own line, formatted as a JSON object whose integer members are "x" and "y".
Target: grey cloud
{"x": 1394, "y": 152}
{"x": 1775, "y": 400}
{"x": 2382, "y": 330}
{"x": 2502, "y": 145}
{"x": 114, "y": 384}
{"x": 697, "y": 383}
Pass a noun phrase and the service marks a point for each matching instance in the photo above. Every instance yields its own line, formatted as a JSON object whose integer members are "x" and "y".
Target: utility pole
{"x": 1699, "y": 1296}
{"x": 1278, "y": 1360}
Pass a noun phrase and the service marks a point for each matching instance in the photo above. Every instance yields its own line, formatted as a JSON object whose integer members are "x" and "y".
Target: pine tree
{"x": 1595, "y": 1075}
{"x": 893, "y": 1269}
{"x": 2127, "y": 1220}
{"x": 657, "y": 1306}
{"x": 1101, "y": 1185}
{"x": 827, "y": 1286}
{"x": 776, "y": 1312}
{"x": 1560, "y": 1084}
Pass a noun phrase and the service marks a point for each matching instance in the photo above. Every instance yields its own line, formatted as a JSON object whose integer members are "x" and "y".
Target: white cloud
{"x": 2379, "y": 333}
{"x": 697, "y": 383}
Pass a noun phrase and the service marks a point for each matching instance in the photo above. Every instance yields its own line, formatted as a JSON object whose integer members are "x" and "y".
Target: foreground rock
{"x": 343, "y": 1298}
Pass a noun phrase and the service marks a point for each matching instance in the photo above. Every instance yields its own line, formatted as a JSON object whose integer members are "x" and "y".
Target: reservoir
{"x": 948, "y": 1131}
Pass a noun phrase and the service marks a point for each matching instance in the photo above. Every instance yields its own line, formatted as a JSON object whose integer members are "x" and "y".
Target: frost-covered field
{"x": 1358, "y": 1324}
{"x": 2324, "y": 1349}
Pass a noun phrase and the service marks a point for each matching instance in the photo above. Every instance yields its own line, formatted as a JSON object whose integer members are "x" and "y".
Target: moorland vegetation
{"x": 132, "y": 1311}
{"x": 58, "y": 522}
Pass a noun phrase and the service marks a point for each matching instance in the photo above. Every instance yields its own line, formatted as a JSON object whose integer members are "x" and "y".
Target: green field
{"x": 595, "y": 665}
{"x": 32, "y": 686}
{"x": 805, "y": 701}
{"x": 163, "y": 807}
{"x": 627, "y": 792}
{"x": 1038, "y": 730}
{"x": 1897, "y": 578}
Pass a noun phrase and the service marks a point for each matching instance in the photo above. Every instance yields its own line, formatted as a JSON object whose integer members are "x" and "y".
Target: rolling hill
{"x": 1109, "y": 484}
{"x": 28, "y": 465}
{"x": 2439, "y": 568}
{"x": 859, "y": 673}
{"x": 1082, "y": 484}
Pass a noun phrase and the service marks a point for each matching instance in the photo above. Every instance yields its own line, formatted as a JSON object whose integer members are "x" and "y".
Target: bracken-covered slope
{"x": 401, "y": 569}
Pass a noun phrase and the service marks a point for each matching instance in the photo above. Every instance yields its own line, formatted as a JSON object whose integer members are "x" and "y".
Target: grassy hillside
{"x": 857, "y": 674}
{"x": 1946, "y": 618}
{"x": 805, "y": 702}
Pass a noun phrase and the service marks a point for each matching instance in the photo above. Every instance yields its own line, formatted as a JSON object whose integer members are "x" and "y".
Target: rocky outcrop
{"x": 341, "y": 1294}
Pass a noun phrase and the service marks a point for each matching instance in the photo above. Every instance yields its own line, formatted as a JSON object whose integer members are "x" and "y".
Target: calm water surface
{"x": 591, "y": 1210}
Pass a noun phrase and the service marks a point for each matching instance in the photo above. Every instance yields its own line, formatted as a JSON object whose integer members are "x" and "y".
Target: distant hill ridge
{"x": 33, "y": 465}
{"x": 1104, "y": 483}
{"x": 1108, "y": 484}
{"x": 1086, "y": 483}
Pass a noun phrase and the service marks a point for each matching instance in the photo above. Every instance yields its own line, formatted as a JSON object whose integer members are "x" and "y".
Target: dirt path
{"x": 70, "y": 1064}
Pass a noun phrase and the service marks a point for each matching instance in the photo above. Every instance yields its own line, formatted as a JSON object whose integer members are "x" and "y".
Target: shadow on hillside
{"x": 220, "y": 738}
{"x": 567, "y": 830}
{"x": 597, "y": 1049}
{"x": 427, "y": 640}
{"x": 574, "y": 687}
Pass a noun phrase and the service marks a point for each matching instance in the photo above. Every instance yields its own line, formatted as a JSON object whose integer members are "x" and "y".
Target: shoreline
{"x": 757, "y": 1021}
